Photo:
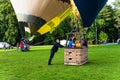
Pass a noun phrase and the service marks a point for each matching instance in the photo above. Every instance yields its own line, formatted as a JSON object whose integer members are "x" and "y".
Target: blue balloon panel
{"x": 89, "y": 9}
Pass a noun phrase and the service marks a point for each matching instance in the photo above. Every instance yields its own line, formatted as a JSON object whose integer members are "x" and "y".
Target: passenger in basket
{"x": 84, "y": 43}
{"x": 77, "y": 44}
{"x": 71, "y": 43}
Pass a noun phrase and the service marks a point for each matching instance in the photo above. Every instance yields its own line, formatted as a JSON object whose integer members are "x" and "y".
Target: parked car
{"x": 118, "y": 41}
{"x": 5, "y": 45}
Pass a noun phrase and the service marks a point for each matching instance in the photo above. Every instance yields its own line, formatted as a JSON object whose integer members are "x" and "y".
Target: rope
{"x": 47, "y": 40}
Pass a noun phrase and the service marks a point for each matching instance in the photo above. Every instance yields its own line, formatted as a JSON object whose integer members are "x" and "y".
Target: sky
{"x": 110, "y": 2}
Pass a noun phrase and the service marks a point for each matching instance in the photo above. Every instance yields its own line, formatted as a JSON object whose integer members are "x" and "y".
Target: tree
{"x": 103, "y": 37}
{"x": 108, "y": 21}
{"x": 90, "y": 36}
{"x": 104, "y": 22}
{"x": 117, "y": 15}
{"x": 8, "y": 23}
{"x": 3, "y": 23}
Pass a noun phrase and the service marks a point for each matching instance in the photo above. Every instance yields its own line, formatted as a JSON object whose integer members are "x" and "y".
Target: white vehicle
{"x": 2, "y": 44}
{"x": 5, "y": 45}
{"x": 118, "y": 41}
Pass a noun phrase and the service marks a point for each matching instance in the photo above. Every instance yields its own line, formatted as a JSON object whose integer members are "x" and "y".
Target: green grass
{"x": 103, "y": 64}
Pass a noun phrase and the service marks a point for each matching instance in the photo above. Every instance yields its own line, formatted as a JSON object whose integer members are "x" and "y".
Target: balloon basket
{"x": 75, "y": 56}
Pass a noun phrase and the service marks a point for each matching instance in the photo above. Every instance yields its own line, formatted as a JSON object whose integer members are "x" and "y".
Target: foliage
{"x": 117, "y": 15}
{"x": 90, "y": 36}
{"x": 104, "y": 22}
{"x": 8, "y": 23}
{"x": 103, "y": 37}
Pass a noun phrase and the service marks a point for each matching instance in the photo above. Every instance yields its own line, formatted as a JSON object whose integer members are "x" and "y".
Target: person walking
{"x": 17, "y": 46}
{"x": 54, "y": 49}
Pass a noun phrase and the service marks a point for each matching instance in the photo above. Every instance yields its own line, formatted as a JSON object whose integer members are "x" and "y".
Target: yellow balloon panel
{"x": 52, "y": 24}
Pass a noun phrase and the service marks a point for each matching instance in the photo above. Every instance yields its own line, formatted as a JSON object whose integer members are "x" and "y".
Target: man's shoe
{"x": 49, "y": 64}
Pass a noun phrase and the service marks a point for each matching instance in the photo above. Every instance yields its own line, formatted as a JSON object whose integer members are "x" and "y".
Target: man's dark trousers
{"x": 51, "y": 56}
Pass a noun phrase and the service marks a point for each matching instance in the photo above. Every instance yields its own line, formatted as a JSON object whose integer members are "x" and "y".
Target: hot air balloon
{"x": 32, "y": 14}
{"x": 89, "y": 9}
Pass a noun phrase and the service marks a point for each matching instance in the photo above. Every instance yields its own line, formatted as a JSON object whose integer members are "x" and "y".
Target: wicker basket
{"x": 75, "y": 56}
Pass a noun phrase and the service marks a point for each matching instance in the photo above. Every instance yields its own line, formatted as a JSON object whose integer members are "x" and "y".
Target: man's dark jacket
{"x": 56, "y": 46}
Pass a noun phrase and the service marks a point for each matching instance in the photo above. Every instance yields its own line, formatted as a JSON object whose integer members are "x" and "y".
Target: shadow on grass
{"x": 89, "y": 63}
{"x": 101, "y": 63}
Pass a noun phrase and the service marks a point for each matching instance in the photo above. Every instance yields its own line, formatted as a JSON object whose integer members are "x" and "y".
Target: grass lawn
{"x": 103, "y": 64}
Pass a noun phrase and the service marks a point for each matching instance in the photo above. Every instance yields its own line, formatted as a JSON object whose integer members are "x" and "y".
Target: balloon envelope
{"x": 32, "y": 14}
{"x": 89, "y": 9}
{"x": 35, "y": 13}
